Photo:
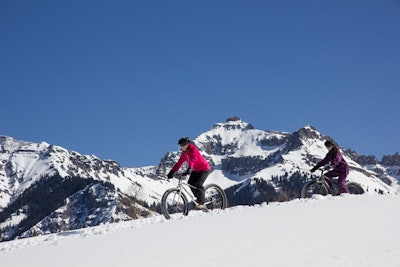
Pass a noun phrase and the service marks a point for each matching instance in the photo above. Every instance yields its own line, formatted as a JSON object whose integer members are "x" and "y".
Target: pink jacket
{"x": 194, "y": 159}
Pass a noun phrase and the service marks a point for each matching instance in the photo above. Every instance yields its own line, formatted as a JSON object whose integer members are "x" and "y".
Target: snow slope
{"x": 325, "y": 231}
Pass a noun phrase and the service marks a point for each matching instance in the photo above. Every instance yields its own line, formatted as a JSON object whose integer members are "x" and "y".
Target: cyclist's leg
{"x": 197, "y": 180}
{"x": 342, "y": 182}
{"x": 330, "y": 175}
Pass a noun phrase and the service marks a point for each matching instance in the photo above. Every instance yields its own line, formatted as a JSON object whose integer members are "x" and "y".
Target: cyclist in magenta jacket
{"x": 340, "y": 166}
{"x": 198, "y": 168}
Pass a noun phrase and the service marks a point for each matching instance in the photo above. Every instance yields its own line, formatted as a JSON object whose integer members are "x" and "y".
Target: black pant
{"x": 197, "y": 179}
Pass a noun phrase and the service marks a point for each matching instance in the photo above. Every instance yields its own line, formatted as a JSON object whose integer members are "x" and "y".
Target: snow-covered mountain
{"x": 46, "y": 188}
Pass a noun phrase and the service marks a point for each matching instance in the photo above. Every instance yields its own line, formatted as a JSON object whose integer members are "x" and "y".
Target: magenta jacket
{"x": 194, "y": 159}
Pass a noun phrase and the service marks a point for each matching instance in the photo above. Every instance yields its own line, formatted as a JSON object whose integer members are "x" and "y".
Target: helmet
{"x": 184, "y": 141}
{"x": 329, "y": 143}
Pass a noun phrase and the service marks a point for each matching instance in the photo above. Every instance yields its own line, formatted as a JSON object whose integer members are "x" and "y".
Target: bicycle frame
{"x": 182, "y": 188}
{"x": 323, "y": 180}
{"x": 179, "y": 199}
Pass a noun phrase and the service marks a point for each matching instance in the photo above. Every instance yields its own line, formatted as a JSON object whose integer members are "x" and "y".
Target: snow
{"x": 13, "y": 220}
{"x": 324, "y": 231}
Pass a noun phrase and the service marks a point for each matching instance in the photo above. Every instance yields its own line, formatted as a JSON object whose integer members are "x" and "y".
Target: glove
{"x": 188, "y": 171}
{"x": 170, "y": 174}
{"x": 313, "y": 169}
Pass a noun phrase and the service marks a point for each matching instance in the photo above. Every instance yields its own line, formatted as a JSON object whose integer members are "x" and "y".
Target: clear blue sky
{"x": 124, "y": 80}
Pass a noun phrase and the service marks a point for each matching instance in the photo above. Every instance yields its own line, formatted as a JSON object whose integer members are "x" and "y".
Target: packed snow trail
{"x": 324, "y": 231}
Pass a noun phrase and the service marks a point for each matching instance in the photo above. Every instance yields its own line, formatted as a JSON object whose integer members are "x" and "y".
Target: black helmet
{"x": 329, "y": 143}
{"x": 184, "y": 141}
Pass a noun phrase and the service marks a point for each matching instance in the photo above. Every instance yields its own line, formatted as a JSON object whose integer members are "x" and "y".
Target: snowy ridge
{"x": 324, "y": 231}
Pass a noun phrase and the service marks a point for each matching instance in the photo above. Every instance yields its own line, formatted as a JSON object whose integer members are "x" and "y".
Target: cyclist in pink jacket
{"x": 198, "y": 168}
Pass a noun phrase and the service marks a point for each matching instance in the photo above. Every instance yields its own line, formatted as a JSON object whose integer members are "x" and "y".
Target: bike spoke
{"x": 174, "y": 204}
{"x": 313, "y": 188}
{"x": 215, "y": 198}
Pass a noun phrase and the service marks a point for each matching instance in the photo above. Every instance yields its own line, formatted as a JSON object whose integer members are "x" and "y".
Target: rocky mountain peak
{"x": 234, "y": 123}
{"x": 302, "y": 137}
{"x": 233, "y": 118}
{"x": 391, "y": 160}
{"x": 361, "y": 159}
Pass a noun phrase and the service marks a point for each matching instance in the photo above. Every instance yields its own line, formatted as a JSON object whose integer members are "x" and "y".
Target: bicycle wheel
{"x": 355, "y": 188}
{"x": 312, "y": 188}
{"x": 215, "y": 197}
{"x": 174, "y": 204}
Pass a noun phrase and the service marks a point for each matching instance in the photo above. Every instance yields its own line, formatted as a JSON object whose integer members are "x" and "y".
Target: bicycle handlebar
{"x": 179, "y": 176}
{"x": 324, "y": 169}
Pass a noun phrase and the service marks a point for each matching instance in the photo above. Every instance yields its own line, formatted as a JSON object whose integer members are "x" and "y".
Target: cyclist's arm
{"x": 178, "y": 164}
{"x": 323, "y": 162}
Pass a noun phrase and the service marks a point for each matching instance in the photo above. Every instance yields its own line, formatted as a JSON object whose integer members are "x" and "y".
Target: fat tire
{"x": 215, "y": 197}
{"x": 355, "y": 188}
{"x": 312, "y": 188}
{"x": 174, "y": 202}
